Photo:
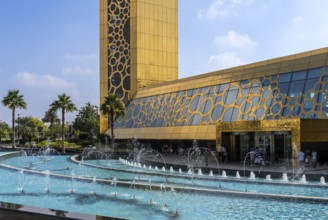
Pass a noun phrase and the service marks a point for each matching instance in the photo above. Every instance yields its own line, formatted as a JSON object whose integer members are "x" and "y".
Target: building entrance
{"x": 274, "y": 147}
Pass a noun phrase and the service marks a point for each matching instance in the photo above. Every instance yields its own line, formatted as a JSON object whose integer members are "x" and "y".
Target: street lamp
{"x": 18, "y": 126}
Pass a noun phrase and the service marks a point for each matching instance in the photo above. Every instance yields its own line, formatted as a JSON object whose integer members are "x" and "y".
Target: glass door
{"x": 244, "y": 146}
{"x": 264, "y": 143}
{"x": 282, "y": 147}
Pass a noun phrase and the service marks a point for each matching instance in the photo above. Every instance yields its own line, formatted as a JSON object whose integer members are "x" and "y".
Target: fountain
{"x": 197, "y": 157}
{"x": 322, "y": 180}
{"x": 47, "y": 177}
{"x": 284, "y": 177}
{"x": 268, "y": 177}
{"x": 303, "y": 179}
{"x": 147, "y": 190}
{"x": 237, "y": 174}
{"x": 252, "y": 175}
{"x": 91, "y": 153}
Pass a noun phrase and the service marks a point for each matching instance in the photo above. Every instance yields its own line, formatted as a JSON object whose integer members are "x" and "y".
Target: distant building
{"x": 278, "y": 105}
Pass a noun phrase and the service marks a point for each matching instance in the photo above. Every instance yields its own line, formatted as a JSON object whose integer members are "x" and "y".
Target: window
{"x": 315, "y": 73}
{"x": 283, "y": 88}
{"x": 259, "y": 113}
{"x": 285, "y": 77}
{"x": 221, "y": 88}
{"x": 300, "y": 75}
{"x": 194, "y": 103}
{"x": 310, "y": 84}
{"x": 245, "y": 107}
{"x": 266, "y": 83}
{"x": 276, "y": 108}
{"x": 206, "y": 106}
{"x": 195, "y": 120}
{"x": 227, "y": 115}
{"x": 296, "y": 88}
{"x": 231, "y": 95}
{"x": 285, "y": 111}
{"x": 308, "y": 106}
{"x": 217, "y": 112}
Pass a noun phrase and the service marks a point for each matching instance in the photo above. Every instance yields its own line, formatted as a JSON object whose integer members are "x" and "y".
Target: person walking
{"x": 224, "y": 154}
{"x": 220, "y": 153}
{"x": 252, "y": 157}
{"x": 314, "y": 159}
{"x": 258, "y": 157}
{"x": 301, "y": 157}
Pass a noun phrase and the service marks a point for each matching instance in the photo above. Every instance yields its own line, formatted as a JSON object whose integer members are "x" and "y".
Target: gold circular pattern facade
{"x": 301, "y": 94}
{"x": 119, "y": 48}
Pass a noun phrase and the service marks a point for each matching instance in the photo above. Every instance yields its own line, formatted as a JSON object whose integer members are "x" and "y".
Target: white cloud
{"x": 297, "y": 19}
{"x": 223, "y": 61}
{"x": 78, "y": 71}
{"x": 31, "y": 79}
{"x": 235, "y": 40}
{"x": 223, "y": 8}
{"x": 82, "y": 58}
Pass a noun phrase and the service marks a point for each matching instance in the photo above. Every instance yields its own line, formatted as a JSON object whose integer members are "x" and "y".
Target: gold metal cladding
{"x": 262, "y": 98}
{"x": 118, "y": 48}
{"x": 154, "y": 42}
{"x": 247, "y": 100}
{"x": 103, "y": 60}
{"x": 314, "y": 130}
{"x": 292, "y": 125}
{"x": 114, "y": 52}
{"x": 138, "y": 46}
{"x": 207, "y": 132}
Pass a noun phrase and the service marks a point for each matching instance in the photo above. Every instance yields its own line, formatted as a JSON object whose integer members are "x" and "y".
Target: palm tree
{"x": 14, "y": 100}
{"x": 51, "y": 117}
{"x": 65, "y": 104}
{"x": 113, "y": 107}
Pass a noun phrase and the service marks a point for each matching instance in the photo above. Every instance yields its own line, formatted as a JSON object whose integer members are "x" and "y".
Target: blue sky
{"x": 49, "y": 47}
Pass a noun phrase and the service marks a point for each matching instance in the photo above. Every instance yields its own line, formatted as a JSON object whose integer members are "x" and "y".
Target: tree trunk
{"x": 112, "y": 128}
{"x": 51, "y": 129}
{"x": 63, "y": 130}
{"x": 13, "y": 145}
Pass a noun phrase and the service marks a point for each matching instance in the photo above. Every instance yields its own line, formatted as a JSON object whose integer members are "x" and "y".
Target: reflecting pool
{"x": 120, "y": 190}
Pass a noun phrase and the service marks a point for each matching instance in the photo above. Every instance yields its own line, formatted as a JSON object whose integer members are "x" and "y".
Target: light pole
{"x": 18, "y": 126}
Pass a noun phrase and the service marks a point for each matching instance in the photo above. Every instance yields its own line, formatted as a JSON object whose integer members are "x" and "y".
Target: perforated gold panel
{"x": 118, "y": 13}
{"x": 258, "y": 99}
{"x": 115, "y": 56}
{"x": 290, "y": 87}
{"x": 138, "y": 46}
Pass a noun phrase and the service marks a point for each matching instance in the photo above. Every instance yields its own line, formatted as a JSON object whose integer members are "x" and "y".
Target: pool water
{"x": 96, "y": 198}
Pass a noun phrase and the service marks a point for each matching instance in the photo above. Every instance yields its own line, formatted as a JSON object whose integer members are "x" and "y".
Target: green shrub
{"x": 57, "y": 144}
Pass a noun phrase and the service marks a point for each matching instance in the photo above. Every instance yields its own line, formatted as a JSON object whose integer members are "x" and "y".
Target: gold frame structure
{"x": 138, "y": 47}
{"x": 207, "y": 131}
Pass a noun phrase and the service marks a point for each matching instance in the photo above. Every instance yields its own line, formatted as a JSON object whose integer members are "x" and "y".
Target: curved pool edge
{"x": 218, "y": 178}
{"x": 159, "y": 187}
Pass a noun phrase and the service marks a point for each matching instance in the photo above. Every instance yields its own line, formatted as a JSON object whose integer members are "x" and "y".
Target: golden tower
{"x": 138, "y": 46}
